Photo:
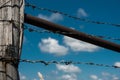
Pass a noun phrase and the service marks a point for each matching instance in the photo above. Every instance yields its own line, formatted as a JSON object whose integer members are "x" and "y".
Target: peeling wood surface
{"x": 11, "y": 34}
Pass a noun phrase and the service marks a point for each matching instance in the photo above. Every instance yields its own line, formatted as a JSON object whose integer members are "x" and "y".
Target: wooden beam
{"x": 38, "y": 22}
{"x": 11, "y": 33}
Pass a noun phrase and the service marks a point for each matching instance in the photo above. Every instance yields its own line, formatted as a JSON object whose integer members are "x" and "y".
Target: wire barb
{"x": 55, "y": 62}
{"x": 58, "y": 32}
{"x": 70, "y": 16}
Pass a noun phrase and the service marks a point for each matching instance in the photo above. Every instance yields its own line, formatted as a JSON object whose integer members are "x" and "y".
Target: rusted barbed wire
{"x": 70, "y": 16}
{"x": 58, "y": 32}
{"x": 56, "y": 62}
{"x": 4, "y": 4}
{"x": 10, "y": 59}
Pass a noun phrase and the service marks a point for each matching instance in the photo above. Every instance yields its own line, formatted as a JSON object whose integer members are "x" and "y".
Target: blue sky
{"x": 49, "y": 46}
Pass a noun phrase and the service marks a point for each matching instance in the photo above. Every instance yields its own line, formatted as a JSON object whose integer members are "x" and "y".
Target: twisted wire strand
{"x": 56, "y": 62}
{"x": 10, "y": 59}
{"x": 57, "y": 32}
{"x": 70, "y": 16}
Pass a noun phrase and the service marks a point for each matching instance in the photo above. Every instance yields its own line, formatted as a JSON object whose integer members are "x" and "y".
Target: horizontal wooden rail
{"x": 38, "y": 22}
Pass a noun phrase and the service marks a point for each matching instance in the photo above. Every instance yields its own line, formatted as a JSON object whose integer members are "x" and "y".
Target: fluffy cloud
{"x": 115, "y": 77}
{"x": 117, "y": 64}
{"x": 53, "y": 17}
{"x": 105, "y": 74}
{"x": 68, "y": 68}
{"x": 69, "y": 71}
{"x": 77, "y": 45}
{"x": 69, "y": 77}
{"x": 81, "y": 13}
{"x": 52, "y": 46}
{"x": 94, "y": 77}
{"x": 22, "y": 77}
{"x": 54, "y": 72}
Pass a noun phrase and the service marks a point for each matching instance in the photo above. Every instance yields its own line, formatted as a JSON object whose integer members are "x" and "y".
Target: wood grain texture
{"x": 11, "y": 33}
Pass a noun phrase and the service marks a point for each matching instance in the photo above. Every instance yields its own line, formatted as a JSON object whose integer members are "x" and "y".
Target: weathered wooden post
{"x": 11, "y": 33}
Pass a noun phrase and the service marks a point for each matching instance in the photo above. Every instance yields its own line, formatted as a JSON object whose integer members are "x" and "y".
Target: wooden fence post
{"x": 11, "y": 35}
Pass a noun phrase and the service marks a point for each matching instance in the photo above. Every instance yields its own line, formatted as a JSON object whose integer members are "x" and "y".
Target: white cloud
{"x": 55, "y": 72}
{"x": 117, "y": 64}
{"x": 94, "y": 77}
{"x": 68, "y": 68}
{"x": 69, "y": 71}
{"x": 53, "y": 17}
{"x": 40, "y": 76}
{"x": 115, "y": 77}
{"x": 105, "y": 74}
{"x": 81, "y": 13}
{"x": 22, "y": 77}
{"x": 52, "y": 46}
{"x": 69, "y": 77}
{"x": 77, "y": 45}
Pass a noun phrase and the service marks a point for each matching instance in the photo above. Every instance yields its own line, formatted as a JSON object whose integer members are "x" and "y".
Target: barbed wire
{"x": 8, "y": 48}
{"x": 55, "y": 62}
{"x": 10, "y": 59}
{"x": 1, "y": 5}
{"x": 15, "y": 5}
{"x": 35, "y": 30}
{"x": 58, "y": 32}
{"x": 70, "y": 16}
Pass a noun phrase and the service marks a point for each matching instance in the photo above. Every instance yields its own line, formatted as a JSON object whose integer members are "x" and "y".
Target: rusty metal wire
{"x": 1, "y": 5}
{"x": 70, "y": 16}
{"x": 4, "y": 4}
{"x": 55, "y": 62}
{"x": 10, "y": 59}
{"x": 58, "y": 32}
